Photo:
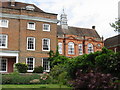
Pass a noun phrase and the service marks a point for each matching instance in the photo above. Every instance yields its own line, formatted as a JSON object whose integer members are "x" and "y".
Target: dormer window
{"x": 31, "y": 8}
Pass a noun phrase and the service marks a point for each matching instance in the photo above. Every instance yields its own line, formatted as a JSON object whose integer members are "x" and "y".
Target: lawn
{"x": 36, "y": 86}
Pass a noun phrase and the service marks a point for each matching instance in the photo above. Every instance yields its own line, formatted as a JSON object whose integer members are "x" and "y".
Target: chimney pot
{"x": 93, "y": 27}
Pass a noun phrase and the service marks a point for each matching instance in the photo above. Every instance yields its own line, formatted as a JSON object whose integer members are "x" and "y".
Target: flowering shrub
{"x": 92, "y": 80}
{"x": 44, "y": 78}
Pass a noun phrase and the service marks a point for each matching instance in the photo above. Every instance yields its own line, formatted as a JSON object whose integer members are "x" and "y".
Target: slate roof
{"x": 77, "y": 31}
{"x": 20, "y": 5}
{"x": 112, "y": 41}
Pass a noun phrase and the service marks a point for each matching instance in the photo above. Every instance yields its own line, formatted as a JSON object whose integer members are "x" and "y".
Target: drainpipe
{"x": 84, "y": 44}
{"x": 64, "y": 42}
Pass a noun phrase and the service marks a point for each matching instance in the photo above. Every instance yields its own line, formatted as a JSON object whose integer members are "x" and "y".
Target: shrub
{"x": 105, "y": 61}
{"x": 38, "y": 69}
{"x": 6, "y": 79}
{"x": 56, "y": 60}
{"x": 80, "y": 62}
{"x": 92, "y": 81}
{"x": 59, "y": 74}
{"x": 57, "y": 70}
{"x": 63, "y": 78}
{"x": 21, "y": 67}
{"x": 18, "y": 78}
{"x": 109, "y": 63}
{"x": 45, "y": 78}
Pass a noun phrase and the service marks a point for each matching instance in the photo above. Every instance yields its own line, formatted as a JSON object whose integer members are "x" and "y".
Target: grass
{"x": 35, "y": 86}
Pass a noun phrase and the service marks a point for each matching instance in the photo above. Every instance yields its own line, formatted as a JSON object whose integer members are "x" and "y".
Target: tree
{"x": 116, "y": 25}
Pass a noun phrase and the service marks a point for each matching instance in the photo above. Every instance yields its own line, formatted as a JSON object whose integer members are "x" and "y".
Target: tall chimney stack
{"x": 119, "y": 16}
{"x": 12, "y": 2}
{"x": 119, "y": 9}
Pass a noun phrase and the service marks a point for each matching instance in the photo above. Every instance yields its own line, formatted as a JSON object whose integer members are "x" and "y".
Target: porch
{"x": 7, "y": 61}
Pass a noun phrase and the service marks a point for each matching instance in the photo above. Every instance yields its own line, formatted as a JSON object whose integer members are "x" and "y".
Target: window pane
{"x": 31, "y": 25}
{"x": 3, "y": 41}
{"x": 70, "y": 48}
{"x": 80, "y": 49}
{"x": 46, "y": 44}
{"x": 30, "y": 63}
{"x": 3, "y": 64}
{"x": 46, "y": 64}
{"x": 90, "y": 48}
{"x": 60, "y": 48}
{"x": 46, "y": 27}
{"x": 31, "y": 43}
{"x": 4, "y": 23}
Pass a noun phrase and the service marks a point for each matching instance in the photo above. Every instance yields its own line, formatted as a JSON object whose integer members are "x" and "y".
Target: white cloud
{"x": 84, "y": 13}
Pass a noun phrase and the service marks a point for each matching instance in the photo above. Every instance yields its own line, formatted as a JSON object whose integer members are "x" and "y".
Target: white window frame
{"x": 33, "y": 43}
{"x": 48, "y": 65}
{"x": 48, "y": 44}
{"x": 71, "y": 44}
{"x": 28, "y": 26}
{"x": 47, "y": 29}
{"x": 4, "y": 26}
{"x": 6, "y": 64}
{"x": 60, "y": 48}
{"x": 6, "y": 42}
{"x": 90, "y": 48}
{"x": 80, "y": 49}
{"x": 33, "y": 64}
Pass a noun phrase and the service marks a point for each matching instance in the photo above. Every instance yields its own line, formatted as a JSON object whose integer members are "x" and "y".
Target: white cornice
{"x": 8, "y": 51}
{"x": 26, "y": 17}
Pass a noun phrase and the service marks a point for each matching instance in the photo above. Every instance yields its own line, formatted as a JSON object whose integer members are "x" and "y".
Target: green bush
{"x": 56, "y": 60}
{"x": 59, "y": 74}
{"x": 80, "y": 63}
{"x": 38, "y": 69}
{"x": 105, "y": 61}
{"x": 6, "y": 79}
{"x": 63, "y": 78}
{"x": 14, "y": 78}
{"x": 21, "y": 67}
{"x": 18, "y": 78}
{"x": 57, "y": 70}
{"x": 109, "y": 63}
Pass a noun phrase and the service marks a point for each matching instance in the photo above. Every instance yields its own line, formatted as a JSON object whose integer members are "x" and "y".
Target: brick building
{"x": 75, "y": 41}
{"x": 113, "y": 43}
{"x": 27, "y": 34}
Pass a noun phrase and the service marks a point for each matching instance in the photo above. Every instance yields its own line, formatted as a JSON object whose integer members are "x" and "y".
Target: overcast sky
{"x": 83, "y": 13}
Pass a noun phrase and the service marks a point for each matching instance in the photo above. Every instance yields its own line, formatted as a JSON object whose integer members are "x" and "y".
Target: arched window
{"x": 90, "y": 48}
{"x": 80, "y": 49}
{"x": 70, "y": 48}
{"x": 60, "y": 48}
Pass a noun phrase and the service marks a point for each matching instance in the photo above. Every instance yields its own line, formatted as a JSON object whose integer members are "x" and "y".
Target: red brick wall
{"x": 71, "y": 38}
{"x": 17, "y": 35}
